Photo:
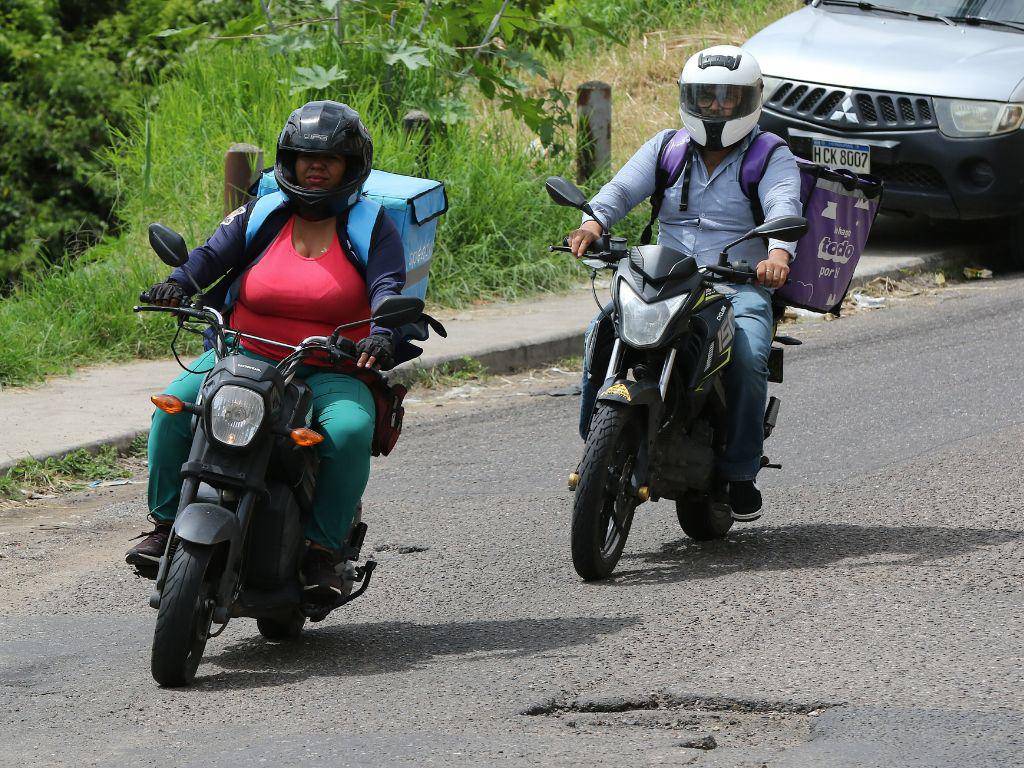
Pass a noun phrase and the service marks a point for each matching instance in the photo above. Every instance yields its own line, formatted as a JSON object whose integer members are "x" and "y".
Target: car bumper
{"x": 926, "y": 172}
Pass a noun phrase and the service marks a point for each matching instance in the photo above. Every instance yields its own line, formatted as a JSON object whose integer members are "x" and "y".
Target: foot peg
{"x": 318, "y": 611}
{"x": 767, "y": 464}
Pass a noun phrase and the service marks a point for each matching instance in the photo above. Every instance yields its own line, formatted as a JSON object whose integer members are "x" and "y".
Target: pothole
{"x": 692, "y": 722}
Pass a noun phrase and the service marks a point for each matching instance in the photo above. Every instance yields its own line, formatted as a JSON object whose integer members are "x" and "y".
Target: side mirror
{"x": 396, "y": 311}
{"x": 787, "y": 228}
{"x": 564, "y": 192}
{"x": 168, "y": 245}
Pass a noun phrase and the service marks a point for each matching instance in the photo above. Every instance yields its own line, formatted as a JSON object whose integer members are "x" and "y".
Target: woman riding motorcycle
{"x": 293, "y": 275}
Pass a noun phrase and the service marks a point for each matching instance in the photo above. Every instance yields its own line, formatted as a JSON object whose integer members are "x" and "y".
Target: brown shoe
{"x": 145, "y": 555}
{"x": 319, "y": 579}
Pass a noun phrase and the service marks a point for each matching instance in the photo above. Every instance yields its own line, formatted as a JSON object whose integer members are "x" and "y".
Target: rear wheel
{"x": 186, "y": 611}
{"x": 702, "y": 520}
{"x": 605, "y": 495}
{"x": 282, "y": 629}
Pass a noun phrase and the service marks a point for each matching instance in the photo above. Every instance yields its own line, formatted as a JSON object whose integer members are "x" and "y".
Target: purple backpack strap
{"x": 752, "y": 168}
{"x": 672, "y": 157}
{"x": 674, "y": 151}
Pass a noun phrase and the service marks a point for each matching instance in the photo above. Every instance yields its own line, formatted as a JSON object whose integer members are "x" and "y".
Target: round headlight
{"x": 235, "y": 415}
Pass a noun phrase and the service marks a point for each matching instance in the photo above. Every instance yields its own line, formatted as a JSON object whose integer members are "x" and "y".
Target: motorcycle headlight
{"x": 235, "y": 415}
{"x": 962, "y": 118}
{"x": 644, "y": 324}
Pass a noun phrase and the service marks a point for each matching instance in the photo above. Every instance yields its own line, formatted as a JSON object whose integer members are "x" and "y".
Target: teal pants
{"x": 343, "y": 412}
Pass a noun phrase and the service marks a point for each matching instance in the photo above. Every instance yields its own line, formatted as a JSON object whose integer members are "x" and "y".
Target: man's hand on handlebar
{"x": 774, "y": 271}
{"x": 582, "y": 238}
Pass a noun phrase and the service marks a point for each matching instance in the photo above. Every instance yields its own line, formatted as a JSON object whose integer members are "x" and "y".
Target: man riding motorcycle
{"x": 297, "y": 275}
{"x": 720, "y": 95}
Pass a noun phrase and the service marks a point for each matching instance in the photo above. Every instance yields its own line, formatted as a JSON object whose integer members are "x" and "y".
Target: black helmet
{"x": 327, "y": 128}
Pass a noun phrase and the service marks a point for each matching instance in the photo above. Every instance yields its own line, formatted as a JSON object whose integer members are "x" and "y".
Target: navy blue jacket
{"x": 225, "y": 257}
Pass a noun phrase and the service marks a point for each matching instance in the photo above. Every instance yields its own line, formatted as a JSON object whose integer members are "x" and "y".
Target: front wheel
{"x": 605, "y": 495}
{"x": 186, "y": 611}
{"x": 701, "y": 519}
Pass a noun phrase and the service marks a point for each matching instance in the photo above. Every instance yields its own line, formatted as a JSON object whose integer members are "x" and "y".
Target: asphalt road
{"x": 872, "y": 618}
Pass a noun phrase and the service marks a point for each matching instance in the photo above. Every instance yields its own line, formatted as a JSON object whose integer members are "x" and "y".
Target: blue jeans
{"x": 746, "y": 384}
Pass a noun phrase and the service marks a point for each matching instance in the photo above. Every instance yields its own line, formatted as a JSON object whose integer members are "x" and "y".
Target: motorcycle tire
{"x": 277, "y": 629}
{"x": 186, "y": 612}
{"x": 598, "y": 534}
{"x": 700, "y": 520}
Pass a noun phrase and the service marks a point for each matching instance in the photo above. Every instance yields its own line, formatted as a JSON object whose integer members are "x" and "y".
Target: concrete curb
{"x": 540, "y": 351}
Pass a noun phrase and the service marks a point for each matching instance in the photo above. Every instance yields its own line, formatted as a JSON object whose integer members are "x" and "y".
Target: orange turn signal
{"x": 306, "y": 437}
{"x": 168, "y": 403}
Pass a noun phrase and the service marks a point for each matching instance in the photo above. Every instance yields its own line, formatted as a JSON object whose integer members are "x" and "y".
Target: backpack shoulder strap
{"x": 263, "y": 208}
{"x": 362, "y": 218}
{"x": 672, "y": 158}
{"x": 752, "y": 167}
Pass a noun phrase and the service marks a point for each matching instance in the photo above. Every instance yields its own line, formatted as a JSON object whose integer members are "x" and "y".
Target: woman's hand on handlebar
{"x": 774, "y": 271}
{"x": 582, "y": 238}
{"x": 165, "y": 294}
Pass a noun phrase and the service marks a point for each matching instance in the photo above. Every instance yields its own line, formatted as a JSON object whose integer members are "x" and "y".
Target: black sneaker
{"x": 145, "y": 555}
{"x": 745, "y": 500}
{"x": 319, "y": 579}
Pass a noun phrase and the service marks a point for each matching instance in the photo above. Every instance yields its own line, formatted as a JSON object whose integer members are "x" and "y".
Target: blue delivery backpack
{"x": 413, "y": 204}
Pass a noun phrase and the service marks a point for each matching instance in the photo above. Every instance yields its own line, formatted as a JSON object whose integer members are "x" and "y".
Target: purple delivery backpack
{"x": 840, "y": 207}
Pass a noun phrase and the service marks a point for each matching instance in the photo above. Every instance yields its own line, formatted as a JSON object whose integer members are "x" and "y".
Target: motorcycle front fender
{"x": 208, "y": 524}
{"x": 639, "y": 393}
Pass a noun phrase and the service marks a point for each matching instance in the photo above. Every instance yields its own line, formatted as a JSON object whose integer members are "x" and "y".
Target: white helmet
{"x": 720, "y": 93}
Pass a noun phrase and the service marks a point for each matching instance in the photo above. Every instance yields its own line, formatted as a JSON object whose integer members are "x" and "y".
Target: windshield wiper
{"x": 885, "y": 9}
{"x": 977, "y": 21}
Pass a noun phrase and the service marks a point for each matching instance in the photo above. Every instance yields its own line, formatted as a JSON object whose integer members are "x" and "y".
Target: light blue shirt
{"x": 718, "y": 212}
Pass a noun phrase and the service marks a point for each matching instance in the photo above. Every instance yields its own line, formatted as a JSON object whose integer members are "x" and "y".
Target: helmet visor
{"x": 709, "y": 101}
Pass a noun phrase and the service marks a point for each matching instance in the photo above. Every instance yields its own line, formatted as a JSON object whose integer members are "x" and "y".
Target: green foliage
{"x": 69, "y": 72}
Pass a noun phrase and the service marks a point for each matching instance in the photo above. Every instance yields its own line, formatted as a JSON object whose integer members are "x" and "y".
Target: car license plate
{"x": 841, "y": 154}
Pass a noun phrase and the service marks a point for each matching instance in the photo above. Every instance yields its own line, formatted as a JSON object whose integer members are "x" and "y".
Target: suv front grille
{"x": 909, "y": 176}
{"x": 853, "y": 109}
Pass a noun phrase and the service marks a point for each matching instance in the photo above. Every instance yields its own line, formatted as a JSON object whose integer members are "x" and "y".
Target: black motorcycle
{"x": 237, "y": 541}
{"x": 660, "y": 415}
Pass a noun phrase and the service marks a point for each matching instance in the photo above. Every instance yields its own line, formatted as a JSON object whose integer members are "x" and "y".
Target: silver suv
{"x": 926, "y": 94}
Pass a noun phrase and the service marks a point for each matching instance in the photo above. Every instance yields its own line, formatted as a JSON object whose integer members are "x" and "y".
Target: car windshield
{"x": 970, "y": 10}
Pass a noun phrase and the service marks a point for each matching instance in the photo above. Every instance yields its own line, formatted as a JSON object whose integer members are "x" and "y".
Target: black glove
{"x": 165, "y": 294}
{"x": 380, "y": 346}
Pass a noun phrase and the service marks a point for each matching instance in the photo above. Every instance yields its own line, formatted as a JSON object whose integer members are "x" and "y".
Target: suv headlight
{"x": 961, "y": 118}
{"x": 644, "y": 324}
{"x": 236, "y": 414}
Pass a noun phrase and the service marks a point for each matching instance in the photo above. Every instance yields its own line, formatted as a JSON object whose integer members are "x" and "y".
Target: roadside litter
{"x": 977, "y": 273}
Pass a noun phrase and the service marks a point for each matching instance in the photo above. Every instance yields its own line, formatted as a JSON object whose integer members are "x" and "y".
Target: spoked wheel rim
{"x": 203, "y": 620}
{"x": 619, "y": 497}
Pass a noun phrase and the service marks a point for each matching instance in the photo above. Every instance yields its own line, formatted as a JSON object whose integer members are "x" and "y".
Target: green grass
{"x": 69, "y": 472}
{"x": 453, "y": 374}
{"x": 169, "y": 166}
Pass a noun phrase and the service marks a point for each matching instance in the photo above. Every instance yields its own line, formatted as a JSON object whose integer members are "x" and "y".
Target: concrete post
{"x": 593, "y": 128}
{"x": 242, "y": 163}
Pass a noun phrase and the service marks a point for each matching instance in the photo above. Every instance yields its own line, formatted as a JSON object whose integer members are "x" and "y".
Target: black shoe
{"x": 145, "y": 555}
{"x": 319, "y": 579}
{"x": 745, "y": 500}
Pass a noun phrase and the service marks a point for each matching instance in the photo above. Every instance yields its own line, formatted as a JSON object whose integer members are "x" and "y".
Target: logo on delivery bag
{"x": 836, "y": 250}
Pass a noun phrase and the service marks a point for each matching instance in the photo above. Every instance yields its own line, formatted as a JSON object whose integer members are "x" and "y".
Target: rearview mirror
{"x": 168, "y": 245}
{"x": 396, "y": 311}
{"x": 786, "y": 228}
{"x": 564, "y": 192}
